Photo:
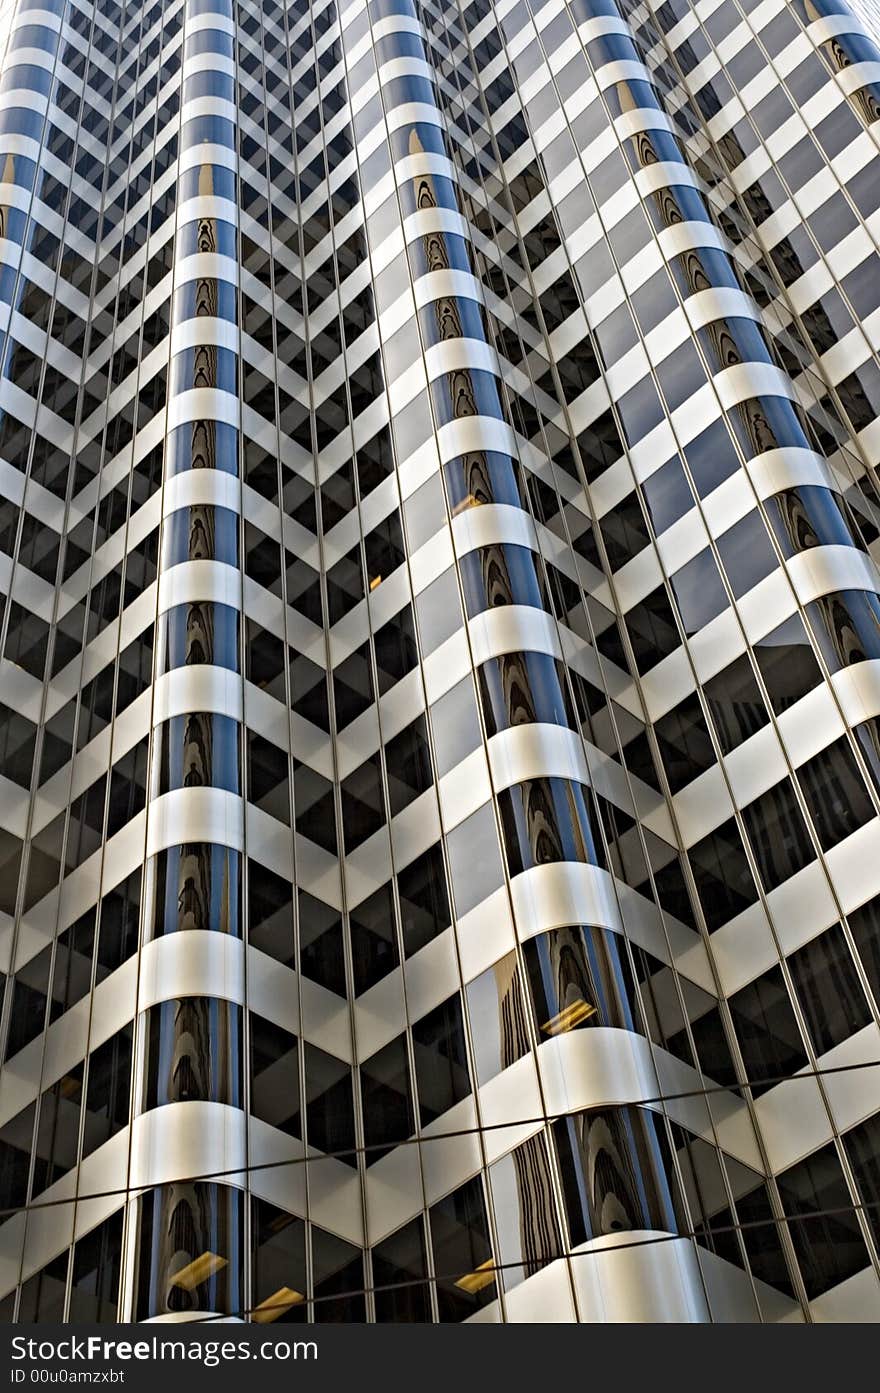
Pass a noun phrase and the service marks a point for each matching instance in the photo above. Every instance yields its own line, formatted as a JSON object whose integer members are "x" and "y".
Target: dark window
{"x": 274, "y": 1076}
{"x": 652, "y": 629}
{"x": 270, "y": 913}
{"x": 408, "y": 761}
{"x": 736, "y": 704}
{"x": 396, "y": 652}
{"x": 387, "y": 1099}
{"x": 864, "y": 924}
{"x": 684, "y": 743}
{"x": 179, "y": 1227}
{"x": 829, "y": 1246}
{"x": 424, "y": 903}
{"x": 353, "y": 686}
{"x": 108, "y": 1090}
{"x": 363, "y": 803}
{"x": 787, "y": 664}
{"x": 462, "y": 1252}
{"x": 778, "y": 834}
{"x": 97, "y": 1263}
{"x": 835, "y": 793}
{"x": 338, "y": 1270}
{"x": 314, "y": 808}
{"x": 194, "y": 1052}
{"x": 329, "y": 1104}
{"x": 617, "y": 1173}
{"x": 279, "y": 1265}
{"x": 862, "y": 1146}
{"x": 400, "y": 1277}
{"x": 548, "y": 820}
{"x": 320, "y": 943}
{"x": 829, "y": 991}
{"x": 767, "y": 1031}
{"x": 440, "y": 1060}
{"x": 373, "y": 939}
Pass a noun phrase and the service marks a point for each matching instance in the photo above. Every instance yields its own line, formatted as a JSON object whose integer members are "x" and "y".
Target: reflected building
{"x": 440, "y": 661}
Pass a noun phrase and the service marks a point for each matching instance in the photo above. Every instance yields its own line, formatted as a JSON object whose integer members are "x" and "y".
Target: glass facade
{"x": 440, "y": 660}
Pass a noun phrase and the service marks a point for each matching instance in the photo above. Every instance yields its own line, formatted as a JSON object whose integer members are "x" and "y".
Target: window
{"x": 578, "y": 977}
{"x": 363, "y": 804}
{"x": 778, "y": 834}
{"x": 270, "y": 913}
{"x": 736, "y": 704}
{"x": 329, "y": 1105}
{"x": 108, "y": 1090}
{"x": 373, "y": 939}
{"x": 496, "y": 1008}
{"x": 617, "y": 1172}
{"x": 829, "y": 990}
{"x": 829, "y": 1246}
{"x": 787, "y": 664}
{"x": 97, "y": 1263}
{"x": 386, "y": 1100}
{"x": 424, "y": 902}
{"x": 835, "y": 793}
{"x": 462, "y": 1253}
{"x": 699, "y": 592}
{"x": 767, "y": 1031}
{"x": 274, "y": 1076}
{"x": 194, "y": 1052}
{"x": 652, "y": 629}
{"x": 190, "y": 1250}
{"x": 442, "y": 1076}
{"x": 684, "y": 741}
{"x": 474, "y": 859}
{"x": 746, "y": 553}
{"x": 402, "y": 1292}
{"x": 408, "y": 761}
{"x": 279, "y": 1265}
{"x": 547, "y": 820}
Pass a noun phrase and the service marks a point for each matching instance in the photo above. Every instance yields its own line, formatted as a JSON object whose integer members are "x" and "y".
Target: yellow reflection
{"x": 198, "y": 1271}
{"x": 475, "y": 1281}
{"x": 276, "y": 1304}
{"x": 573, "y": 1014}
{"x": 469, "y": 502}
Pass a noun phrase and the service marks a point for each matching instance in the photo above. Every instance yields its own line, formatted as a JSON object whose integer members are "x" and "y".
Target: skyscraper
{"x": 440, "y": 858}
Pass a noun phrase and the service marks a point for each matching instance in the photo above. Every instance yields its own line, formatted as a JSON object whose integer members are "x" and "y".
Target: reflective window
{"x": 274, "y": 1075}
{"x": 616, "y": 1172}
{"x": 462, "y": 1253}
{"x": 767, "y": 1031}
{"x": 386, "y": 1099}
{"x": 828, "y": 990}
{"x": 442, "y": 1075}
{"x": 424, "y": 903}
{"x": 778, "y": 834}
{"x": 193, "y": 1052}
{"x": 190, "y": 1250}
{"x": 278, "y": 1245}
{"x": 373, "y": 939}
{"x": 823, "y": 1226}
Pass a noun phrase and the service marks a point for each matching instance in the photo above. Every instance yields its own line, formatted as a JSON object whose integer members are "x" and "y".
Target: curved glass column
{"x": 189, "y": 1238}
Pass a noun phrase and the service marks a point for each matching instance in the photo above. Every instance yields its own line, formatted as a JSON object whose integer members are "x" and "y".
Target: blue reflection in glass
{"x": 200, "y": 533}
{"x": 199, "y": 632}
{"x": 200, "y": 750}
{"x": 500, "y": 575}
{"x": 197, "y": 887}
